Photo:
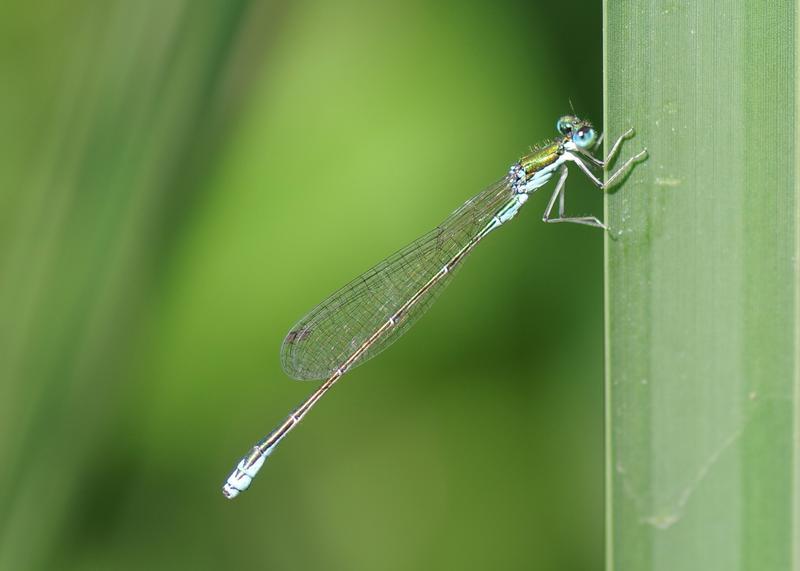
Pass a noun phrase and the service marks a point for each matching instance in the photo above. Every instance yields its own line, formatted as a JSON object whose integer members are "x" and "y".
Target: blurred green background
{"x": 181, "y": 181}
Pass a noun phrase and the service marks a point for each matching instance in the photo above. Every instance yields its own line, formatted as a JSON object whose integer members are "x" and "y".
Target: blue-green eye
{"x": 585, "y": 137}
{"x": 564, "y": 125}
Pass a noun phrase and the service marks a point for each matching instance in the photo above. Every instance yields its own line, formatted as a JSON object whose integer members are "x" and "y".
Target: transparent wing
{"x": 322, "y": 340}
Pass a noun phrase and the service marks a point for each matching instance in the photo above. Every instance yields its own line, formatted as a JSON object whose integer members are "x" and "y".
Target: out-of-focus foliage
{"x": 180, "y": 181}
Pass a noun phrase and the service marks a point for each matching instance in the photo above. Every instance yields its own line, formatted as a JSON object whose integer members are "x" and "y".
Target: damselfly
{"x": 371, "y": 312}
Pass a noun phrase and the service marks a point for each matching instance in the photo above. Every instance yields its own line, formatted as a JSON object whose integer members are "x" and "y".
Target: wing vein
{"x": 335, "y": 329}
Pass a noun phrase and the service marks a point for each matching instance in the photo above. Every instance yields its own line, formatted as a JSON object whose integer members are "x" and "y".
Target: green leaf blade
{"x": 702, "y": 288}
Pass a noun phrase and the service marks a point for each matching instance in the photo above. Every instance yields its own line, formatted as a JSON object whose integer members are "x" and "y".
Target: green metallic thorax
{"x": 541, "y": 157}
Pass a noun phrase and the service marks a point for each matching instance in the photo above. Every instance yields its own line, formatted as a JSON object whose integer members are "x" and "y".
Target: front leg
{"x": 615, "y": 176}
{"x": 611, "y": 154}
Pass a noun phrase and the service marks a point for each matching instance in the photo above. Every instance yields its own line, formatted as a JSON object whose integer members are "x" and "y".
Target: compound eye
{"x": 585, "y": 137}
{"x": 564, "y": 125}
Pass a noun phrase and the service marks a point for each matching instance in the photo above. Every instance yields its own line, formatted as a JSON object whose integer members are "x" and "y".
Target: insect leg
{"x": 615, "y": 176}
{"x": 611, "y": 154}
{"x": 559, "y": 193}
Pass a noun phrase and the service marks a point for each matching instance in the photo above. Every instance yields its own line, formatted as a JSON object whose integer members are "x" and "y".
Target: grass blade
{"x": 702, "y": 287}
